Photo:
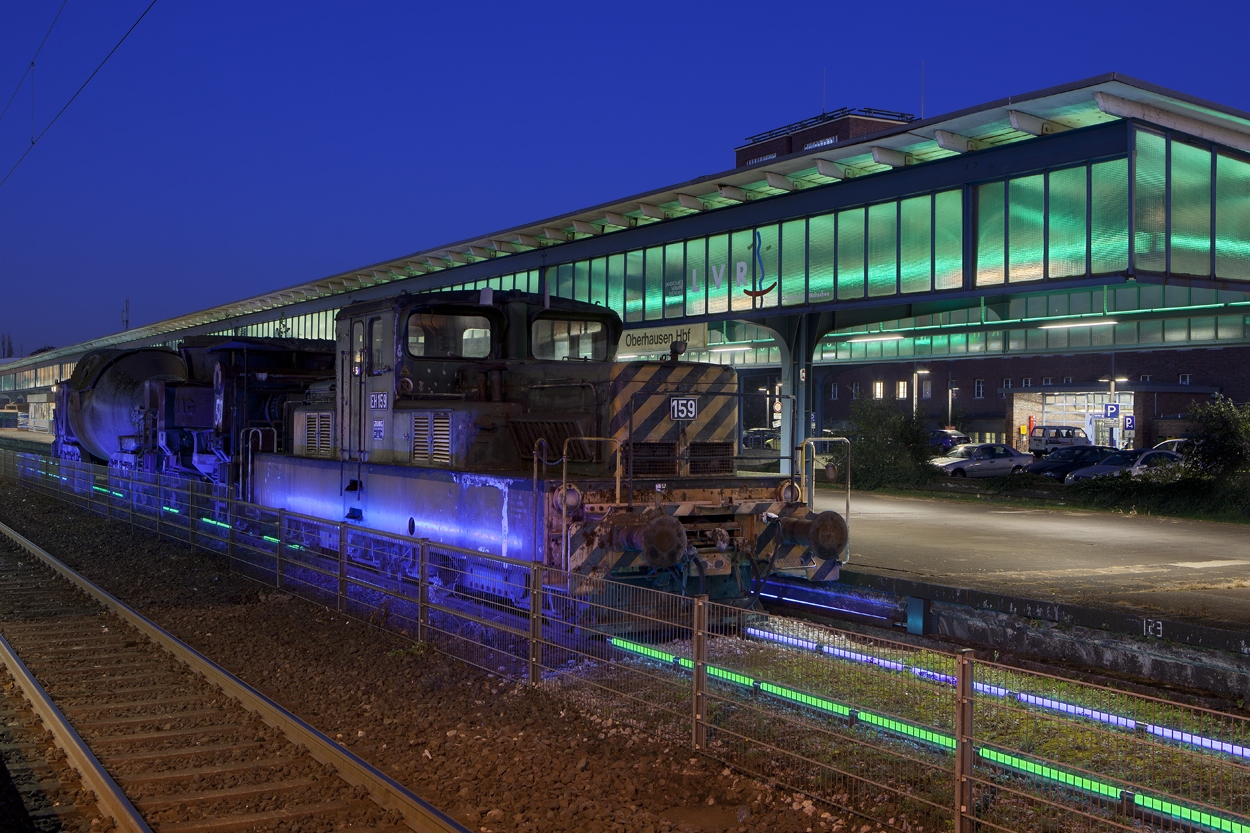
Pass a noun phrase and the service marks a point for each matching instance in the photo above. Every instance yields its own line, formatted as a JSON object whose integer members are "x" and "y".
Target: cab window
{"x": 569, "y": 338}
{"x": 436, "y": 335}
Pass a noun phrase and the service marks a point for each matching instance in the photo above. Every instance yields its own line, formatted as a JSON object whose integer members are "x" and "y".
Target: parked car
{"x": 1179, "y": 446}
{"x": 947, "y": 438}
{"x": 758, "y": 437}
{"x": 1044, "y": 439}
{"x": 1062, "y": 461}
{"x": 982, "y": 460}
{"x": 1134, "y": 461}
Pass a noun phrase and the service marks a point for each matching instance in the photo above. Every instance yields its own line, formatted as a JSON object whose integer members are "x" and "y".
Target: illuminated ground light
{"x": 1051, "y": 704}
{"x": 1027, "y": 766}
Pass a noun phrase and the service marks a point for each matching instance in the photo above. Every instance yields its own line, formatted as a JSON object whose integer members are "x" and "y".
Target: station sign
{"x": 658, "y": 339}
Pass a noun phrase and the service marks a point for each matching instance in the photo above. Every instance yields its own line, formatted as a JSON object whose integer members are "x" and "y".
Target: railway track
{"x": 189, "y": 746}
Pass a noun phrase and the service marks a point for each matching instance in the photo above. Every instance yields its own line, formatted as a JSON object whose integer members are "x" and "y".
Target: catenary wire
{"x": 36, "y": 139}
{"x": 31, "y": 65}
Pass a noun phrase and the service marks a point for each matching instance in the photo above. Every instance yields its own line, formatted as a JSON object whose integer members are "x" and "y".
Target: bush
{"x": 890, "y": 446}
{"x": 1222, "y": 445}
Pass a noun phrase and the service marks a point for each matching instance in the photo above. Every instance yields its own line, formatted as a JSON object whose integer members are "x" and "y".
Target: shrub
{"x": 1222, "y": 445}
{"x": 890, "y": 446}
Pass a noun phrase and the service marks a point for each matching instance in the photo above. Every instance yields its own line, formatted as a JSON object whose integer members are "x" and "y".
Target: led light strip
{"x": 1048, "y": 703}
{"x": 1037, "y": 769}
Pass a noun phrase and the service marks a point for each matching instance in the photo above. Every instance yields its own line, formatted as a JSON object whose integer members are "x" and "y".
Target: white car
{"x": 1134, "y": 461}
{"x": 982, "y": 460}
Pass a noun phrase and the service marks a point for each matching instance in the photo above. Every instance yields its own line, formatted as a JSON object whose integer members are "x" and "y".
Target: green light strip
{"x": 805, "y": 699}
{"x": 1036, "y": 769}
{"x": 271, "y": 539}
{"x": 171, "y": 509}
{"x": 215, "y": 523}
{"x": 909, "y": 730}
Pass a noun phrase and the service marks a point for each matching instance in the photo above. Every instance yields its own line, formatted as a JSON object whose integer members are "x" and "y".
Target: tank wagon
{"x": 498, "y": 422}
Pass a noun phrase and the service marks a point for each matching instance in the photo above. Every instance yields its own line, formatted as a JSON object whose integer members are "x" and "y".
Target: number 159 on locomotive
{"x": 683, "y": 407}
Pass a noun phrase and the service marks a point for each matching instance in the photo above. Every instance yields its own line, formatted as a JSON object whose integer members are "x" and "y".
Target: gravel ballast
{"x": 496, "y": 755}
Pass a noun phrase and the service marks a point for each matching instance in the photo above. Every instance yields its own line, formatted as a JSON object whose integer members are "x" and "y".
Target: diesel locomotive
{"x": 499, "y": 422}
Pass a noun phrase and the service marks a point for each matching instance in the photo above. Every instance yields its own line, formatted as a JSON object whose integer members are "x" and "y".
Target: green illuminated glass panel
{"x": 883, "y": 249}
{"x": 616, "y": 284}
{"x": 793, "y": 263}
{"x": 564, "y": 280}
{"x": 1232, "y": 218}
{"x": 741, "y": 255}
{"x": 635, "y": 286}
{"x": 719, "y": 273}
{"x": 767, "y": 266}
{"x": 674, "y": 281}
{"x": 1150, "y": 203}
{"x": 916, "y": 244}
{"x": 655, "y": 282}
{"x": 1108, "y": 216}
{"x": 581, "y": 280}
{"x": 696, "y": 277}
{"x": 851, "y": 254}
{"x": 1026, "y": 208}
{"x": 991, "y": 232}
{"x": 1191, "y": 210}
{"x": 820, "y": 248}
{"x": 599, "y": 281}
{"x": 948, "y": 240}
{"x": 1067, "y": 231}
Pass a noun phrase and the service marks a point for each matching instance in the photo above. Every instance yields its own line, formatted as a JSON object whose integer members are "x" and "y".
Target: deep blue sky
{"x": 230, "y": 148}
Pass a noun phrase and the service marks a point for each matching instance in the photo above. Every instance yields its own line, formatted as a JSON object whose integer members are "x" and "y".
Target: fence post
{"x": 160, "y": 506}
{"x": 192, "y": 488}
{"x": 232, "y": 511}
{"x": 536, "y": 623}
{"x": 964, "y": 820}
{"x": 281, "y": 549}
{"x": 699, "y": 701}
{"x": 342, "y": 567}
{"x": 423, "y": 591}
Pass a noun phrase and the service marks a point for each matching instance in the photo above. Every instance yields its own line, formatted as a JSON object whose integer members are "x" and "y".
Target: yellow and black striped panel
{"x": 641, "y": 393}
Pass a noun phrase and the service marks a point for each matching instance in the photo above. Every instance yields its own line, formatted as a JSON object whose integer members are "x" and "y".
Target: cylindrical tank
{"x": 106, "y": 396}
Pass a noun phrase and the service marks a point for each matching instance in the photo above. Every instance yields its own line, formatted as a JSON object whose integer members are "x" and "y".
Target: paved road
{"x": 1187, "y": 569}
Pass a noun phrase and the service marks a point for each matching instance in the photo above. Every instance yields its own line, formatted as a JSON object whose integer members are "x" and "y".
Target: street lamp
{"x": 950, "y": 400}
{"x": 915, "y": 390}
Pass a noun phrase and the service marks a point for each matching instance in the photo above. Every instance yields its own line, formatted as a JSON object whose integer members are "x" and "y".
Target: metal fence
{"x": 906, "y": 736}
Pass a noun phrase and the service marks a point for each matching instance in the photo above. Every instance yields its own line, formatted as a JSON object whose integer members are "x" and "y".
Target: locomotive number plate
{"x": 378, "y": 401}
{"x": 683, "y": 407}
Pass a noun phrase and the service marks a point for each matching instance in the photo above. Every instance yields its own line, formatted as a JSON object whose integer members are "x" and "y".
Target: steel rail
{"x": 109, "y": 796}
{"x": 388, "y": 793}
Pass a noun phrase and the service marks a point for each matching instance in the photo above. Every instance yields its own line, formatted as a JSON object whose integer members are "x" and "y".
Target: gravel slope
{"x": 498, "y": 756}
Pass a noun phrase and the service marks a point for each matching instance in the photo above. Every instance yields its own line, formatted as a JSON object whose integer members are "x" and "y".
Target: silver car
{"x": 1134, "y": 461}
{"x": 982, "y": 460}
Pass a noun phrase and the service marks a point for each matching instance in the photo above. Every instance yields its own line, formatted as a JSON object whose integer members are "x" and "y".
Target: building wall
{"x": 1159, "y": 402}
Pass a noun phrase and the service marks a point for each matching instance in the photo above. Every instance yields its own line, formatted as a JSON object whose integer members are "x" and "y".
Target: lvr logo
{"x": 759, "y": 261}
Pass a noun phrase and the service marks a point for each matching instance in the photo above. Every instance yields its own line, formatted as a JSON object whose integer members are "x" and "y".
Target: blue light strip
{"x": 1059, "y": 706}
{"x": 1027, "y": 766}
{"x": 819, "y": 606}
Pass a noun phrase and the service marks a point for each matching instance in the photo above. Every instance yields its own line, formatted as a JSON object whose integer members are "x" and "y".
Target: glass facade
{"x": 1191, "y": 208}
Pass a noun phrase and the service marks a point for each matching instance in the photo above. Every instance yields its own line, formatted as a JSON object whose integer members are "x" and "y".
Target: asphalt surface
{"x": 1189, "y": 570}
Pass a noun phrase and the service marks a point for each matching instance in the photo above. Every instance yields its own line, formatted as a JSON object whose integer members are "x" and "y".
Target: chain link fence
{"x": 909, "y": 737}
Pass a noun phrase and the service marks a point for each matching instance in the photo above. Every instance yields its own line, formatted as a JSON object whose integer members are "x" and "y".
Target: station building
{"x": 1040, "y": 256}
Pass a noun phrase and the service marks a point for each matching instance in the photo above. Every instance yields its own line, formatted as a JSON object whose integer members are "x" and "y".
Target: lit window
{"x": 978, "y": 389}
{"x": 1184, "y": 380}
{"x": 901, "y": 390}
{"x": 926, "y": 389}
{"x": 878, "y": 390}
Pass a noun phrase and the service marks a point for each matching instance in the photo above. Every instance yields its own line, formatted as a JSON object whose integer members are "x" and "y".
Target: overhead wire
{"x": 31, "y": 66}
{"x": 35, "y": 139}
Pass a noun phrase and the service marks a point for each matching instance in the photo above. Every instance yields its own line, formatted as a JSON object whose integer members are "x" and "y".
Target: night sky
{"x": 228, "y": 148}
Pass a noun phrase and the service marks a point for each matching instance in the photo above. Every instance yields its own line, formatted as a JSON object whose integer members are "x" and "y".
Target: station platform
{"x": 21, "y": 440}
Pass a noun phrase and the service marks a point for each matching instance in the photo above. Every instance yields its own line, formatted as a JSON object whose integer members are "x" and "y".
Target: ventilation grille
{"x": 712, "y": 458}
{"x": 431, "y": 437}
{"x": 555, "y": 431}
{"x": 652, "y": 459}
{"x": 317, "y": 439}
